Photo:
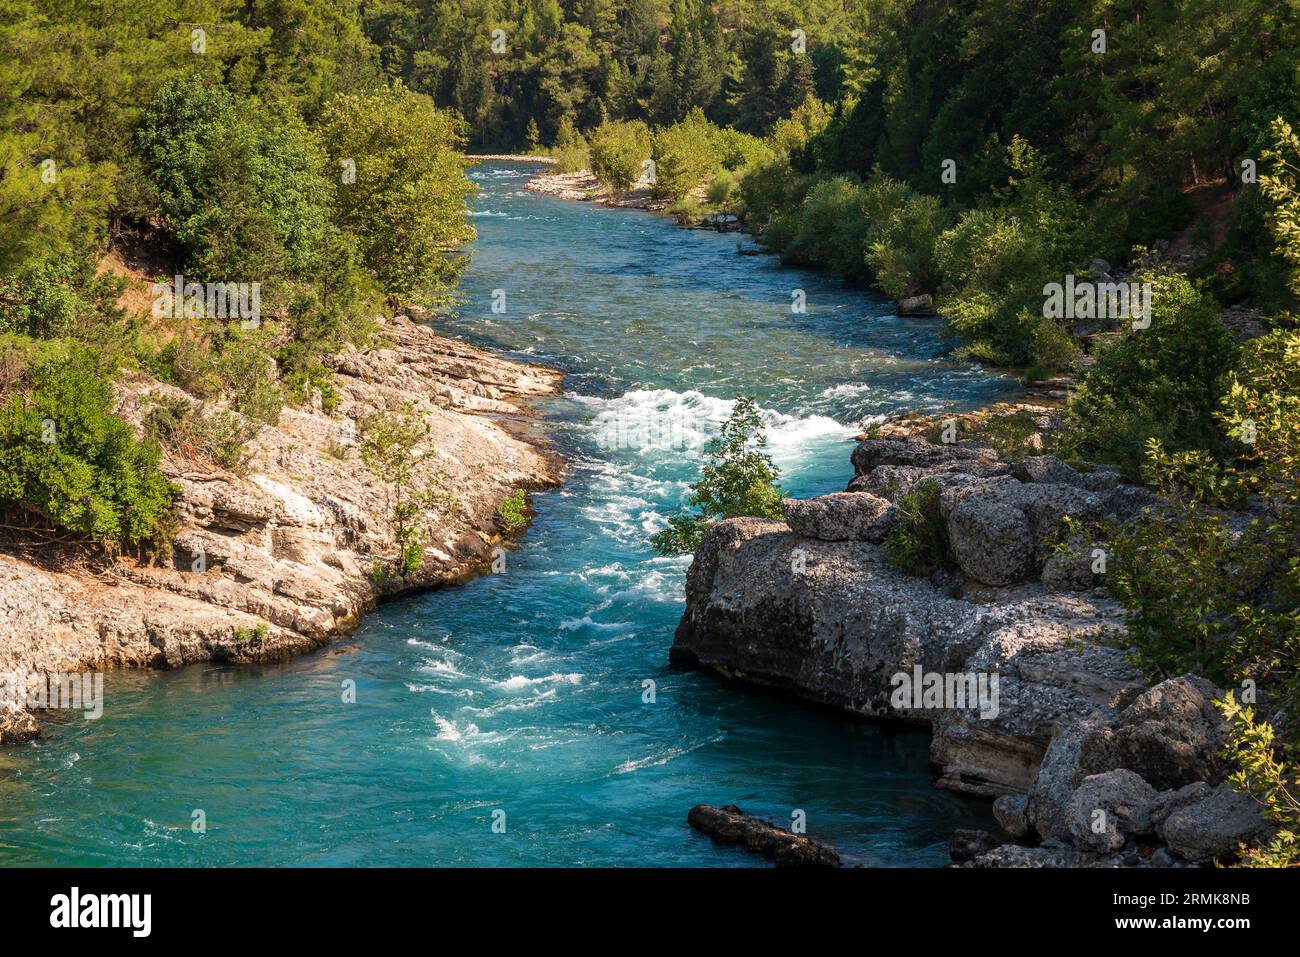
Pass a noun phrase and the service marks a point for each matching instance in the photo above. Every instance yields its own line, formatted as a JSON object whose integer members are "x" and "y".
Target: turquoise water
{"x": 522, "y": 692}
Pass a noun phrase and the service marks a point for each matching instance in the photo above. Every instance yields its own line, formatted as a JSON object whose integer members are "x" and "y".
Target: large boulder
{"x": 1214, "y": 827}
{"x": 840, "y": 517}
{"x": 998, "y": 527}
{"x": 1171, "y": 734}
{"x": 1108, "y": 809}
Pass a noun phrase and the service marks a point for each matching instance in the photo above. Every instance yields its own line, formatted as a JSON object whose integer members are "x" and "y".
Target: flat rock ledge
{"x": 731, "y": 825}
{"x": 1088, "y": 765}
{"x": 288, "y": 554}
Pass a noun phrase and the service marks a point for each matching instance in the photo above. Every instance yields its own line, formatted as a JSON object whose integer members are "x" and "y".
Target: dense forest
{"x": 970, "y": 152}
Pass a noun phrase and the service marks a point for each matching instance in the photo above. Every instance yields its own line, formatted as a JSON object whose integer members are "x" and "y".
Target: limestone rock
{"x": 1009, "y": 810}
{"x": 1108, "y": 809}
{"x": 1172, "y": 734}
{"x": 922, "y": 305}
{"x": 839, "y": 517}
{"x": 289, "y": 543}
{"x": 1215, "y": 826}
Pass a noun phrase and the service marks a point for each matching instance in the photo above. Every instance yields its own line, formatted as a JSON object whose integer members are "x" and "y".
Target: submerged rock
{"x": 731, "y": 825}
{"x": 922, "y": 305}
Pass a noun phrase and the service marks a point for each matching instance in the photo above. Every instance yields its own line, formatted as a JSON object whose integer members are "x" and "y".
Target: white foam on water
{"x": 520, "y": 682}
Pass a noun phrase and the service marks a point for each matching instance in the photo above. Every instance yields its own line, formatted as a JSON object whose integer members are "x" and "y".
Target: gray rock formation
{"x": 812, "y": 608}
{"x": 1108, "y": 809}
{"x": 1172, "y": 731}
{"x": 1214, "y": 826}
{"x": 840, "y": 517}
{"x": 280, "y": 558}
{"x": 1009, "y": 810}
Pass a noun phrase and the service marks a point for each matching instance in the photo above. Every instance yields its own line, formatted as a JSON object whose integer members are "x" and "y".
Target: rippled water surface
{"x": 522, "y": 692}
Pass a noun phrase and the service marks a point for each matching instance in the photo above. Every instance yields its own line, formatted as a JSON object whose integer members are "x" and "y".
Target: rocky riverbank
{"x": 287, "y": 552}
{"x": 584, "y": 186}
{"x": 1088, "y": 765}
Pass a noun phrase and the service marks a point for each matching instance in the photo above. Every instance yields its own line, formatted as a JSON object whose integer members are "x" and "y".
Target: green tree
{"x": 618, "y": 150}
{"x": 738, "y": 479}
{"x": 406, "y": 203}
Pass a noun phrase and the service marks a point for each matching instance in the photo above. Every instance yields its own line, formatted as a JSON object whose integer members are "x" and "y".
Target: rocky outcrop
{"x": 731, "y": 825}
{"x": 286, "y": 554}
{"x": 1081, "y": 755}
{"x": 1172, "y": 731}
{"x": 840, "y": 517}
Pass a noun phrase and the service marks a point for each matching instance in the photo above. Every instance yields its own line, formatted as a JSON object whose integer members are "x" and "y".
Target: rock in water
{"x": 731, "y": 825}
{"x": 967, "y": 844}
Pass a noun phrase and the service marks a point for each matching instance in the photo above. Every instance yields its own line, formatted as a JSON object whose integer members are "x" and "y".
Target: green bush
{"x": 513, "y": 512}
{"x": 1206, "y": 594}
{"x": 1268, "y": 772}
{"x": 1162, "y": 382}
{"x": 832, "y": 228}
{"x": 901, "y": 247}
{"x": 684, "y": 155}
{"x": 996, "y": 260}
{"x": 618, "y": 151}
{"x": 738, "y": 480}
{"x": 243, "y": 187}
{"x": 406, "y": 207}
{"x": 67, "y": 462}
{"x": 918, "y": 542}
{"x": 738, "y": 151}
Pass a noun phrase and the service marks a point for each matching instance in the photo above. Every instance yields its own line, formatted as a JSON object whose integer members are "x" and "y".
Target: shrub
{"x": 243, "y": 187}
{"x": 918, "y": 542}
{"x": 1269, "y": 772}
{"x": 739, "y": 151}
{"x": 832, "y": 228}
{"x": 570, "y": 152}
{"x": 617, "y": 152}
{"x": 769, "y": 190}
{"x": 738, "y": 479}
{"x": 67, "y": 462}
{"x": 391, "y": 443}
{"x": 684, "y": 155}
{"x": 996, "y": 260}
{"x": 1208, "y": 595}
{"x": 1162, "y": 382}
{"x": 513, "y": 512}
{"x": 901, "y": 246}
{"x": 721, "y": 189}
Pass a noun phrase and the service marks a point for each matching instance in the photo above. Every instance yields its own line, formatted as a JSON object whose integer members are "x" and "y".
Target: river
{"x": 524, "y": 692}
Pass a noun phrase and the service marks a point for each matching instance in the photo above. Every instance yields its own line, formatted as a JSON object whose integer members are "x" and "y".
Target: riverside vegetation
{"x": 967, "y": 152}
